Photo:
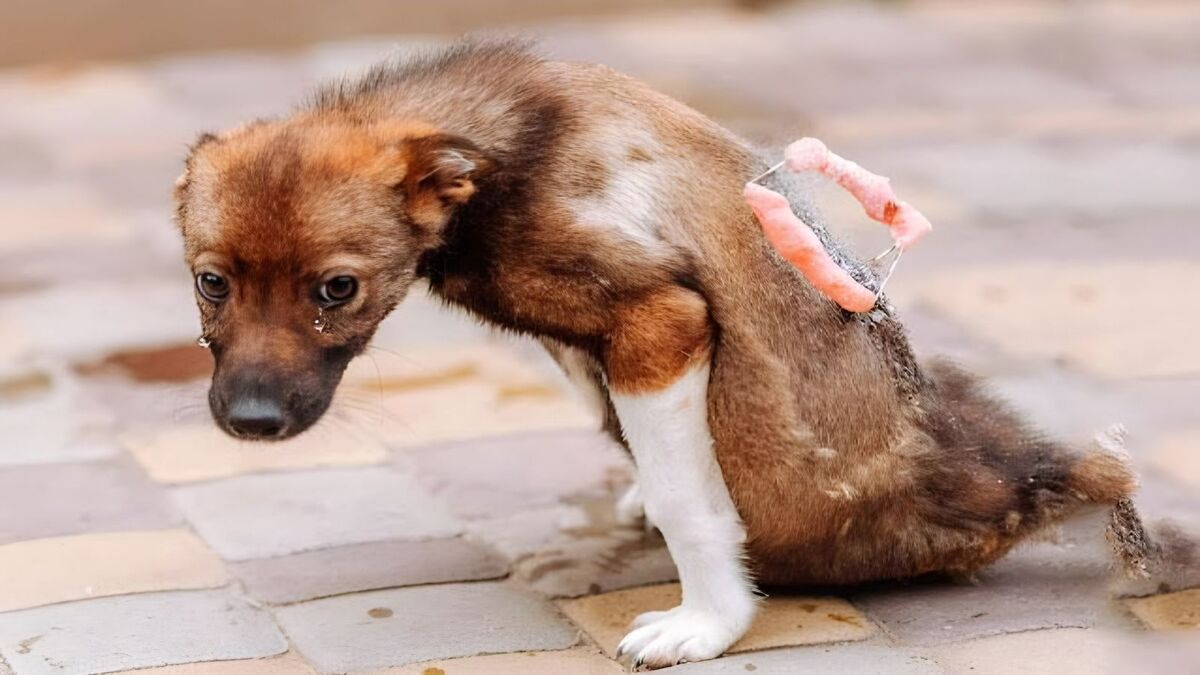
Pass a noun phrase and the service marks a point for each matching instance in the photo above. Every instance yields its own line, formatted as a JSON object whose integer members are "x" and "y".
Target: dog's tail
{"x": 1154, "y": 560}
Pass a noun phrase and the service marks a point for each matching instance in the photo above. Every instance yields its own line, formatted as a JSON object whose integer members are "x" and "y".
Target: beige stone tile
{"x": 573, "y": 661}
{"x": 284, "y": 664}
{"x": 783, "y": 621}
{"x": 1111, "y": 319}
{"x": 1179, "y": 457}
{"x": 46, "y": 418}
{"x": 13, "y": 343}
{"x": 49, "y": 215}
{"x": 24, "y": 384}
{"x": 189, "y": 453}
{"x": 1049, "y": 652}
{"x": 475, "y": 410}
{"x": 1168, "y": 611}
{"x": 47, "y": 571}
{"x": 456, "y": 393}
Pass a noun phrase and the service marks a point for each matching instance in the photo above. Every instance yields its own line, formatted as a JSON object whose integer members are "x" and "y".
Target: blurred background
{"x": 457, "y": 502}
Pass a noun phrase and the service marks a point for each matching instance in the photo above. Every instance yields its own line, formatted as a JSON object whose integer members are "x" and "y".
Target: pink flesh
{"x": 873, "y": 191}
{"x": 799, "y": 245}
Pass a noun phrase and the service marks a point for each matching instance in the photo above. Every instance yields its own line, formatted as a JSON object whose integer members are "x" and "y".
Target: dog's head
{"x": 301, "y": 236}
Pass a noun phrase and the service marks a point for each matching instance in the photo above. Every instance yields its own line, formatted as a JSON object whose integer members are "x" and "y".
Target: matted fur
{"x": 579, "y": 206}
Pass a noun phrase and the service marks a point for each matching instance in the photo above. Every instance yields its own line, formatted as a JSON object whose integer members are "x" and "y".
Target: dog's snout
{"x": 256, "y": 417}
{"x": 257, "y": 400}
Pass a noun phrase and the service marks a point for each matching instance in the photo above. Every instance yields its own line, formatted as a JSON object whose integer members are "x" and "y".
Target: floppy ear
{"x": 442, "y": 173}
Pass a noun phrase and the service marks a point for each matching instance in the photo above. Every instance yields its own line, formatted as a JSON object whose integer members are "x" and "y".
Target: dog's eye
{"x": 213, "y": 287}
{"x": 338, "y": 290}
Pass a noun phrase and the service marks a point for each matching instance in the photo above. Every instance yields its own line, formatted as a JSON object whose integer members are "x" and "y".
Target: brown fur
{"x": 847, "y": 461}
{"x": 656, "y": 339}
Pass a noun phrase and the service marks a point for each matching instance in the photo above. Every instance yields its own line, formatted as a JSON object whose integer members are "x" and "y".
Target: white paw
{"x": 680, "y": 635}
{"x": 630, "y": 510}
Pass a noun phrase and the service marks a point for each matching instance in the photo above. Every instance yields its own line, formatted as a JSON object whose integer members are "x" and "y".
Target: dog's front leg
{"x": 657, "y": 365}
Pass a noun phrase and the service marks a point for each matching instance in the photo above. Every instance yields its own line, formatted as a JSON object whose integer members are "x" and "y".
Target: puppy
{"x": 777, "y": 438}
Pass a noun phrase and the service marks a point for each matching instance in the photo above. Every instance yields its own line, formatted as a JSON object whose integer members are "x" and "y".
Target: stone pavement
{"x": 453, "y": 515}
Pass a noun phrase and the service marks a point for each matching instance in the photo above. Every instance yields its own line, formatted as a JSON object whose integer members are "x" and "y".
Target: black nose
{"x": 256, "y": 417}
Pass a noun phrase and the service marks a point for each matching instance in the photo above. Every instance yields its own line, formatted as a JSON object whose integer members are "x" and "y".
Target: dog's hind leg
{"x": 657, "y": 365}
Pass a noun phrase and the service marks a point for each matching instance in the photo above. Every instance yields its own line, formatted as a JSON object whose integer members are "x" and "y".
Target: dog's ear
{"x": 442, "y": 173}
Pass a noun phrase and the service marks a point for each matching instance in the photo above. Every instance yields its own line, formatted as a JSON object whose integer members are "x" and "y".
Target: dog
{"x": 778, "y": 439}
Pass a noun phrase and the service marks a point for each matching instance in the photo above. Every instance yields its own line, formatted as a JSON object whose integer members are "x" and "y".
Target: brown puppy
{"x": 576, "y": 205}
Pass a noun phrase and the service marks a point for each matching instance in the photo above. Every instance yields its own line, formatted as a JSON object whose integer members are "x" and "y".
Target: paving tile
{"x": 569, "y": 550}
{"x": 116, "y": 314}
{"x": 464, "y": 392}
{"x": 47, "y": 419}
{"x": 398, "y": 627}
{"x": 466, "y": 410}
{"x": 1168, "y": 611}
{"x": 367, "y": 567}
{"x": 784, "y": 621}
{"x": 499, "y": 476}
{"x": 1108, "y": 179}
{"x": 1048, "y": 652}
{"x": 170, "y": 363}
{"x": 1179, "y": 458}
{"x": 131, "y": 177}
{"x": 98, "y": 113}
{"x": 596, "y": 564}
{"x": 189, "y": 453}
{"x": 1054, "y": 124}
{"x": 285, "y": 664}
{"x": 1082, "y": 315}
{"x": 567, "y": 661}
{"x": 1009, "y": 87}
{"x": 44, "y": 500}
{"x": 137, "y": 631}
{"x": 405, "y": 335}
{"x": 277, "y": 514}
{"x": 1170, "y": 652}
{"x": 522, "y": 534}
{"x": 146, "y": 408}
{"x": 226, "y": 89}
{"x": 49, "y": 214}
{"x": 864, "y": 659}
{"x": 47, "y": 571}
{"x": 1067, "y": 583}
{"x": 22, "y": 384}
{"x": 13, "y": 343}
{"x": 1163, "y": 86}
{"x": 23, "y": 160}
